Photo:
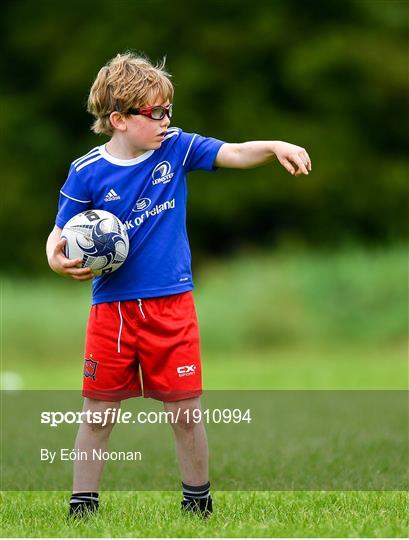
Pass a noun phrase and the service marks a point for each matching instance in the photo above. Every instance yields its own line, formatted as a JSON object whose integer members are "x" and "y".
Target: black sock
{"x": 197, "y": 499}
{"x": 83, "y": 503}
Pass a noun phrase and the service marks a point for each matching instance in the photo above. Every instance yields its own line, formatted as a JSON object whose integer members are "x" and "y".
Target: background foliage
{"x": 330, "y": 76}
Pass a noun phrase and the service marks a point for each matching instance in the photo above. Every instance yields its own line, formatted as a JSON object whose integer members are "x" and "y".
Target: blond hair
{"x": 126, "y": 81}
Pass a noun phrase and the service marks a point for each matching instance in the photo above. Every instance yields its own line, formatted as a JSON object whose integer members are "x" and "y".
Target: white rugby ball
{"x": 98, "y": 238}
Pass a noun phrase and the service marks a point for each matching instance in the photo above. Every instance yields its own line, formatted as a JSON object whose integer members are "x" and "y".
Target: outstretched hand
{"x": 293, "y": 158}
{"x": 68, "y": 267}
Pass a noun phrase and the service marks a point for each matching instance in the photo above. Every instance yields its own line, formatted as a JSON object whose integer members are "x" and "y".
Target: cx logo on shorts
{"x": 90, "y": 369}
{"x": 185, "y": 371}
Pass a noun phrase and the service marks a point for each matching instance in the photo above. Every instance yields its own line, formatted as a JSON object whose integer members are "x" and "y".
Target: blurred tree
{"x": 329, "y": 76}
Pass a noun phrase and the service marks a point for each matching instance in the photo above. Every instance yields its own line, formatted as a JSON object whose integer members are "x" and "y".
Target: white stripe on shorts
{"x": 120, "y": 327}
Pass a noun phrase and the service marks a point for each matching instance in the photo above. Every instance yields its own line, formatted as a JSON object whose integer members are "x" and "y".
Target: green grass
{"x": 280, "y": 321}
{"x": 239, "y": 514}
{"x": 352, "y": 297}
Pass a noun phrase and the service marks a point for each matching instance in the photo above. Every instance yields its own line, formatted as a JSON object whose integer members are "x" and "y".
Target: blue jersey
{"x": 148, "y": 194}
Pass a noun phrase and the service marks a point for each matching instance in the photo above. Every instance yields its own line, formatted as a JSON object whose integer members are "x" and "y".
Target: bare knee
{"x": 100, "y": 416}
{"x": 185, "y": 415}
{"x": 100, "y": 427}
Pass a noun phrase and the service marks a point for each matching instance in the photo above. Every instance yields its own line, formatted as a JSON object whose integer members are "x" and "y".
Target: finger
{"x": 287, "y": 165}
{"x": 71, "y": 263}
{"x": 80, "y": 272}
{"x": 307, "y": 160}
{"x": 83, "y": 278}
{"x": 300, "y": 164}
{"x": 59, "y": 246}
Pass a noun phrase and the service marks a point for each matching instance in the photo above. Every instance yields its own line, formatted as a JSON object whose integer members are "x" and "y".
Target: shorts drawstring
{"x": 140, "y": 307}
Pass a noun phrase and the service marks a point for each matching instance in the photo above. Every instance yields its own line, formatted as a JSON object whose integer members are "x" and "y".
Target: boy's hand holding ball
{"x": 68, "y": 267}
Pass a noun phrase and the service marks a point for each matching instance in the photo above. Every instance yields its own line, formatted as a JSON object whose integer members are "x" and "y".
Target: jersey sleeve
{"x": 199, "y": 152}
{"x": 74, "y": 198}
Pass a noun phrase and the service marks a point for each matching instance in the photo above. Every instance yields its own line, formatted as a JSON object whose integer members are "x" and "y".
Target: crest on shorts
{"x": 90, "y": 368}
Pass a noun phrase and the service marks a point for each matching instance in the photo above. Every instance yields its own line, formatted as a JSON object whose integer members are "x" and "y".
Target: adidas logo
{"x": 111, "y": 196}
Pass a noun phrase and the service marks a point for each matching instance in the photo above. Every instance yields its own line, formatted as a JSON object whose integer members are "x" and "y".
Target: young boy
{"x": 143, "y": 317}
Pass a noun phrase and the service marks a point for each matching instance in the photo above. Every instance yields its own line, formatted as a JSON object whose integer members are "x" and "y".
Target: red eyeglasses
{"x": 157, "y": 112}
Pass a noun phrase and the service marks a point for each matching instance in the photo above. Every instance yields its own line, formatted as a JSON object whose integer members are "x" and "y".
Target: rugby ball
{"x": 98, "y": 238}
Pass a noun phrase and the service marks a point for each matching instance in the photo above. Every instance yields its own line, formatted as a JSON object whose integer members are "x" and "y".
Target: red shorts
{"x": 146, "y": 347}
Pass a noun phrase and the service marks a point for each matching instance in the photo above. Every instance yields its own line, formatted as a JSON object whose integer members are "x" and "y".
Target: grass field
{"x": 239, "y": 514}
{"x": 280, "y": 321}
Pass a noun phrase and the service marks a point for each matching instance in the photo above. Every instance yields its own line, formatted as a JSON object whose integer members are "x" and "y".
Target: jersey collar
{"x": 124, "y": 162}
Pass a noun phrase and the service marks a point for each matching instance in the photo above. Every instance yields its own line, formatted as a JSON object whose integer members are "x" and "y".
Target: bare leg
{"x": 87, "y": 473}
{"x": 191, "y": 443}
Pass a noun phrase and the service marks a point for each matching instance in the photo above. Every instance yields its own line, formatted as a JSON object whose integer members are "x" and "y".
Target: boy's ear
{"x": 117, "y": 121}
